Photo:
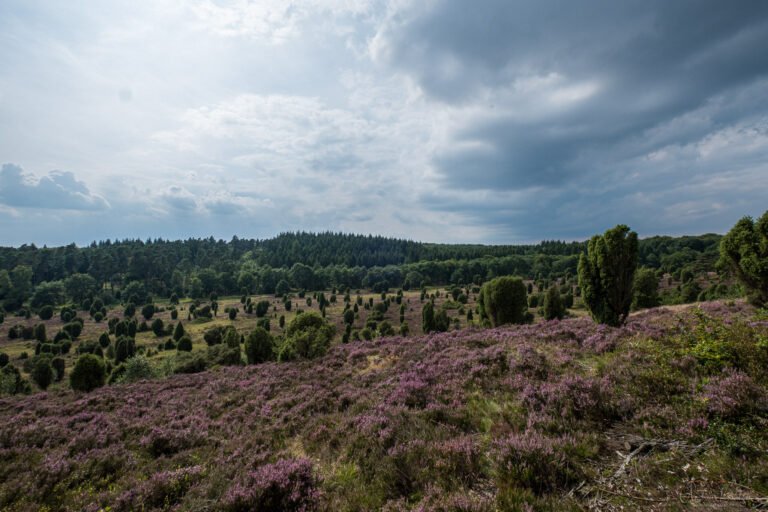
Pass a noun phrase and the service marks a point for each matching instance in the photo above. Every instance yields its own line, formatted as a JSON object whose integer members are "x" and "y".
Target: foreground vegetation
{"x": 667, "y": 412}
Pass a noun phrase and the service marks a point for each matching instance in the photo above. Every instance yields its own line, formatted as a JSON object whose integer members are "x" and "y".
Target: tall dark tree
{"x": 606, "y": 274}
{"x": 744, "y": 251}
{"x": 553, "y": 304}
{"x": 428, "y": 323}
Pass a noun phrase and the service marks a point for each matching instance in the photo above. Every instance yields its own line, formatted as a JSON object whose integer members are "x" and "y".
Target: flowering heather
{"x": 513, "y": 418}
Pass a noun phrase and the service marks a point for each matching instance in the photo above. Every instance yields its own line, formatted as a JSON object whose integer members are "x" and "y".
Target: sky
{"x": 493, "y": 121}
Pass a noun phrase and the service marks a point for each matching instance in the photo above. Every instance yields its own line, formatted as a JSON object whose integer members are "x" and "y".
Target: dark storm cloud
{"x": 58, "y": 190}
{"x": 651, "y": 62}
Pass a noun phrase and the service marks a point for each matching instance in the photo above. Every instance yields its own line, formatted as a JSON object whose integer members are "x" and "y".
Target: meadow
{"x": 667, "y": 412}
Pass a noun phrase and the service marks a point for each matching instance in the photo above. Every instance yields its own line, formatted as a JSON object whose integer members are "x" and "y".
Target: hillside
{"x": 668, "y": 412}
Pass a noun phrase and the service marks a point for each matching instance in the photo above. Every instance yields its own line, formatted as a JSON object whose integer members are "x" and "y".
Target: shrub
{"x": 104, "y": 340}
{"x": 58, "y": 365}
{"x": 232, "y": 313}
{"x": 734, "y": 394}
{"x": 178, "y": 332}
{"x": 259, "y": 346}
{"x": 125, "y": 348}
{"x": 504, "y": 300}
{"x": 174, "y": 314}
{"x": 287, "y": 485}
{"x": 158, "y": 327}
{"x": 148, "y": 311}
{"x": 532, "y": 461}
{"x": 263, "y": 323}
{"x": 215, "y": 335}
{"x": 46, "y": 313}
{"x": 138, "y": 368}
{"x": 606, "y": 275}
{"x": 11, "y": 382}
{"x": 553, "y": 304}
{"x": 88, "y": 373}
{"x": 42, "y": 373}
{"x": 73, "y": 329}
{"x": 4, "y": 359}
{"x": 307, "y": 336}
{"x": 428, "y": 318}
{"x": 184, "y": 344}
{"x": 224, "y": 355}
{"x": 442, "y": 322}
{"x": 130, "y": 310}
{"x": 189, "y": 363}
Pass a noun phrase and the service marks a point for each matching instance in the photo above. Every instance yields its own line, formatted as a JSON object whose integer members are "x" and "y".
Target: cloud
{"x": 59, "y": 190}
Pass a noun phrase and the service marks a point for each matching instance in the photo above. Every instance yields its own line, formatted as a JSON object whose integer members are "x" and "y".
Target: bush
{"x": 104, "y": 340}
{"x": 125, "y": 348}
{"x": 138, "y": 368}
{"x": 148, "y": 311}
{"x": 259, "y": 346}
{"x": 184, "y": 344}
{"x": 11, "y": 382}
{"x": 553, "y": 304}
{"x": 158, "y": 327}
{"x": 42, "y": 373}
{"x": 58, "y": 365}
{"x": 130, "y": 310}
{"x": 46, "y": 313}
{"x": 189, "y": 363}
{"x": 307, "y": 336}
{"x": 88, "y": 373}
{"x": 232, "y": 313}
{"x": 215, "y": 335}
{"x": 428, "y": 318}
{"x": 262, "y": 307}
{"x": 73, "y": 329}
{"x": 4, "y": 359}
{"x": 174, "y": 314}
{"x": 288, "y": 485}
{"x": 224, "y": 355}
{"x": 178, "y": 332}
{"x": 504, "y": 300}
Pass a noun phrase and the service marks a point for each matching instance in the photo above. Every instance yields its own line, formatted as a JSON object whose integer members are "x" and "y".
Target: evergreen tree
{"x": 504, "y": 300}
{"x": 744, "y": 251}
{"x": 553, "y": 304}
{"x": 428, "y": 323}
{"x": 606, "y": 275}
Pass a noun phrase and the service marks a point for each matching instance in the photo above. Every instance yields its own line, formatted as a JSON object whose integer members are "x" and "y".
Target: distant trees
{"x": 504, "y": 300}
{"x": 646, "y": 289}
{"x": 744, "y": 251}
{"x": 80, "y": 286}
{"x": 606, "y": 274}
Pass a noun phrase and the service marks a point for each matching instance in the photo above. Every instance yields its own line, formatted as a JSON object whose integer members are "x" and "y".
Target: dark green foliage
{"x": 125, "y": 347}
{"x": 46, "y": 312}
{"x": 262, "y": 308}
{"x": 606, "y": 275}
{"x": 130, "y": 310}
{"x": 428, "y": 318}
{"x": 148, "y": 311}
{"x": 349, "y": 316}
{"x": 104, "y": 340}
{"x": 178, "y": 332}
{"x": 442, "y": 322}
{"x": 263, "y": 323}
{"x": 11, "y": 381}
{"x": 190, "y": 363}
{"x": 744, "y": 251}
{"x": 58, "y": 365}
{"x": 259, "y": 346}
{"x": 232, "y": 313}
{"x": 646, "y": 289}
{"x": 4, "y": 359}
{"x": 42, "y": 373}
{"x": 282, "y": 288}
{"x": 40, "y": 334}
{"x": 215, "y": 335}
{"x": 282, "y": 321}
{"x": 88, "y": 373}
{"x": 73, "y": 329}
{"x": 184, "y": 344}
{"x": 307, "y": 336}
{"x": 158, "y": 327}
{"x": 504, "y": 300}
{"x": 174, "y": 314}
{"x": 224, "y": 355}
{"x": 386, "y": 329}
{"x": 553, "y": 304}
